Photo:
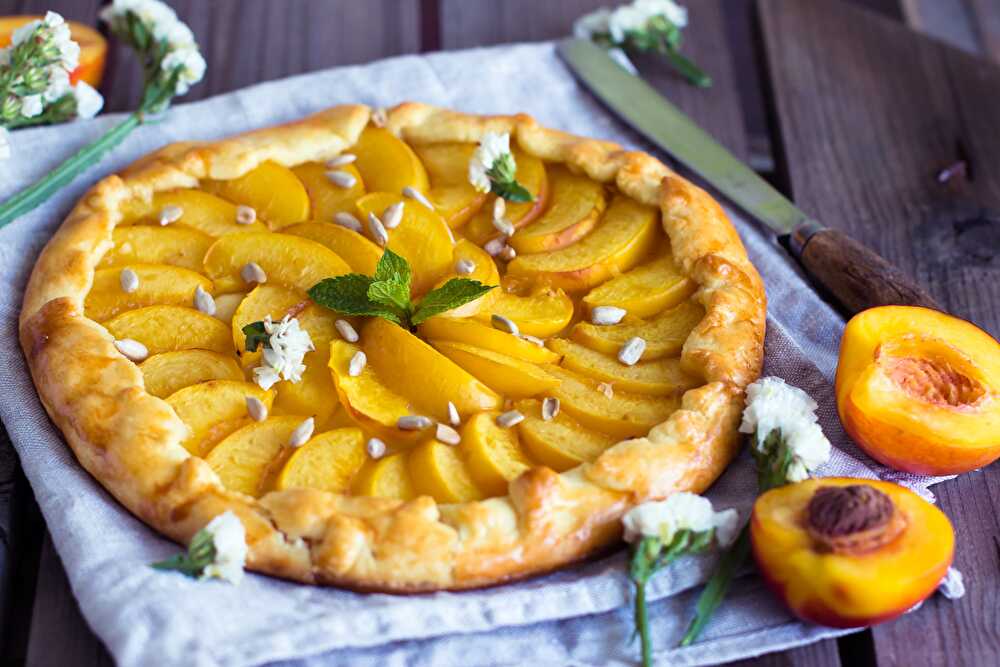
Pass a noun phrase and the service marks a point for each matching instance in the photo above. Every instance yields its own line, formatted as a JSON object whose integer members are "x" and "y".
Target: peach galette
{"x": 410, "y": 349}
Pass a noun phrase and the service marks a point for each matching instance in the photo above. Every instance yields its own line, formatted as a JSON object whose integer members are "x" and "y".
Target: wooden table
{"x": 849, "y": 111}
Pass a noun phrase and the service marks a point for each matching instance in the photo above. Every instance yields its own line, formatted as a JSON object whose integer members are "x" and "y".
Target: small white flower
{"x": 21, "y": 35}
{"x": 31, "y": 106}
{"x": 491, "y": 148}
{"x": 681, "y": 511}
{"x": 88, "y": 101}
{"x": 58, "y": 84}
{"x": 229, "y": 538}
{"x": 953, "y": 584}
{"x": 5, "y": 150}
{"x": 636, "y": 16}
{"x": 594, "y": 23}
{"x": 282, "y": 360}
{"x": 190, "y": 63}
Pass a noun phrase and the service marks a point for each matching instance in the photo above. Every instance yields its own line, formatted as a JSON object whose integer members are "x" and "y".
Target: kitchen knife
{"x": 856, "y": 276}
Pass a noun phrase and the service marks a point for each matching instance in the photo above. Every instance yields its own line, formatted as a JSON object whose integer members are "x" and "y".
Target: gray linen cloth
{"x": 578, "y": 616}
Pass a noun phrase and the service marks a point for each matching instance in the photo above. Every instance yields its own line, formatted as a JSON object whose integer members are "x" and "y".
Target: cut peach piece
{"x": 664, "y": 334}
{"x": 543, "y": 313}
{"x": 270, "y": 189}
{"x": 140, "y": 244}
{"x": 314, "y": 394}
{"x": 370, "y": 403}
{"x": 360, "y": 254}
{"x": 919, "y": 390}
{"x": 287, "y": 260}
{"x": 387, "y": 164}
{"x": 531, "y": 173}
{"x": 328, "y": 462}
{"x": 621, "y": 415}
{"x": 575, "y": 205}
{"x": 226, "y": 305}
{"x": 422, "y": 237}
{"x": 451, "y": 193}
{"x": 456, "y": 203}
{"x": 438, "y": 471}
{"x": 560, "y": 443}
{"x": 244, "y": 459}
{"x": 327, "y": 199}
{"x": 169, "y": 328}
{"x": 158, "y": 284}
{"x": 646, "y": 289}
{"x": 473, "y": 332}
{"x": 493, "y": 454}
{"x": 387, "y": 477}
{"x": 164, "y": 374}
{"x": 504, "y": 374}
{"x": 626, "y": 234}
{"x": 264, "y": 300}
{"x": 661, "y": 377}
{"x": 485, "y": 272}
{"x": 204, "y": 407}
{"x": 200, "y": 211}
{"x": 414, "y": 369}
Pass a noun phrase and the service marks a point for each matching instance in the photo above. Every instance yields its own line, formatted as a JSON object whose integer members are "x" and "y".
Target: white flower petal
{"x": 594, "y": 23}
{"x": 681, "y": 511}
{"x": 491, "y": 148}
{"x": 31, "y": 106}
{"x": 727, "y": 527}
{"x": 288, "y": 344}
{"x": 229, "y": 539}
{"x": 88, "y": 101}
{"x": 24, "y": 32}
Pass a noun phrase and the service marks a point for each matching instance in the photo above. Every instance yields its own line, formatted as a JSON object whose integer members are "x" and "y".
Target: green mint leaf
{"x": 454, "y": 293}
{"x": 348, "y": 294}
{"x": 394, "y": 268}
{"x": 256, "y": 336}
{"x": 390, "y": 293}
{"x": 199, "y": 555}
{"x": 512, "y": 191}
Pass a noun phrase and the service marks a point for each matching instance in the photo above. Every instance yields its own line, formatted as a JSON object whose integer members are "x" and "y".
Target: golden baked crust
{"x": 131, "y": 441}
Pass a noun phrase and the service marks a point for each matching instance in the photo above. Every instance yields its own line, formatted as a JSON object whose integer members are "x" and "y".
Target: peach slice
{"x": 662, "y": 377}
{"x": 542, "y": 313}
{"x": 226, "y": 305}
{"x": 493, "y": 454}
{"x": 167, "y": 373}
{"x": 244, "y": 459}
{"x": 326, "y": 198}
{"x": 360, "y": 254}
{"x": 531, "y": 173}
{"x": 158, "y": 284}
{"x": 200, "y": 211}
{"x": 414, "y": 369}
{"x": 627, "y": 233}
{"x": 664, "y": 333}
{"x": 328, "y": 462}
{"x": 504, "y": 374}
{"x": 422, "y": 237}
{"x": 485, "y": 272}
{"x": 287, "y": 260}
{"x": 387, "y": 477}
{"x": 438, "y": 471}
{"x": 140, "y": 244}
{"x": 264, "y": 300}
{"x": 472, "y": 332}
{"x": 646, "y": 289}
{"x": 204, "y": 407}
{"x": 169, "y": 328}
{"x": 560, "y": 443}
{"x": 315, "y": 394}
{"x": 620, "y": 415}
{"x": 387, "y": 164}
{"x": 270, "y": 189}
{"x": 451, "y": 193}
{"x": 576, "y": 204}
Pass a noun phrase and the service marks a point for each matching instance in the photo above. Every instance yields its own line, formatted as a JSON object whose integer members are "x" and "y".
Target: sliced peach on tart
{"x": 645, "y": 290}
{"x": 450, "y": 191}
{"x": 660, "y": 377}
{"x": 241, "y": 261}
{"x": 576, "y": 205}
{"x": 142, "y": 244}
{"x": 664, "y": 333}
{"x": 331, "y": 190}
{"x": 263, "y": 301}
{"x": 168, "y": 328}
{"x": 329, "y": 462}
{"x": 226, "y": 305}
{"x": 506, "y": 375}
{"x": 275, "y": 194}
{"x": 531, "y": 173}
{"x": 559, "y": 442}
{"x": 493, "y": 454}
{"x": 438, "y": 471}
{"x": 244, "y": 460}
{"x": 474, "y": 332}
{"x": 205, "y": 407}
{"x": 169, "y": 372}
{"x": 388, "y": 164}
{"x": 472, "y": 263}
{"x": 387, "y": 477}
{"x": 122, "y": 288}
{"x": 542, "y": 312}
{"x": 360, "y": 254}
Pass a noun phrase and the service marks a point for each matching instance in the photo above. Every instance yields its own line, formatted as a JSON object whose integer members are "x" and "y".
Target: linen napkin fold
{"x": 578, "y": 616}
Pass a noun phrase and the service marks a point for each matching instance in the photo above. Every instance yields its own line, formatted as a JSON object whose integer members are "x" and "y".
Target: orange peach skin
{"x": 849, "y": 591}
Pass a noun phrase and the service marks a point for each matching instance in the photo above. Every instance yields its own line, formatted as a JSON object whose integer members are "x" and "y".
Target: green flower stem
{"x": 694, "y": 74}
{"x": 718, "y": 585}
{"x": 651, "y": 555}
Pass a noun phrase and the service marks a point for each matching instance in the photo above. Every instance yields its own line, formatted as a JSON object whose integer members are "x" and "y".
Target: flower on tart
{"x": 681, "y": 511}
{"x": 285, "y": 345}
{"x": 492, "y": 168}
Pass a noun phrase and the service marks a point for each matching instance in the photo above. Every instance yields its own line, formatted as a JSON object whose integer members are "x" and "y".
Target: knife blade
{"x": 856, "y": 276}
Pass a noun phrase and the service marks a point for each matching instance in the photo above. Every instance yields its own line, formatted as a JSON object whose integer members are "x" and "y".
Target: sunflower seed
{"x": 203, "y": 301}
{"x": 375, "y": 448}
{"x": 413, "y": 423}
{"x": 346, "y": 331}
{"x": 256, "y": 409}
{"x": 507, "y": 253}
{"x": 632, "y": 351}
{"x": 341, "y": 179}
{"x": 495, "y": 246}
{"x": 413, "y": 193}
{"x": 252, "y": 273}
{"x": 534, "y": 340}
{"x": 341, "y": 160}
{"x": 245, "y": 215}
{"x": 170, "y": 214}
{"x": 607, "y": 389}
{"x": 453, "y": 415}
{"x": 129, "y": 280}
{"x": 377, "y": 230}
{"x": 504, "y": 324}
{"x": 132, "y": 349}
{"x": 499, "y": 208}
{"x": 345, "y": 219}
{"x": 603, "y": 315}
{"x": 550, "y": 408}
{"x": 503, "y": 225}
{"x": 510, "y": 418}
{"x": 465, "y": 266}
{"x": 380, "y": 117}
{"x": 393, "y": 215}
{"x": 447, "y": 435}
{"x": 302, "y": 433}
{"x": 358, "y": 363}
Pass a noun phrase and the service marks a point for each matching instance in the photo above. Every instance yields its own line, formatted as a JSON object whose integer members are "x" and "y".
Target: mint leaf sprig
{"x": 503, "y": 180}
{"x": 387, "y": 293}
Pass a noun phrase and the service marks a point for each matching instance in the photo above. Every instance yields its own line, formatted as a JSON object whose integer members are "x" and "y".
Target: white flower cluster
{"x": 492, "y": 147}
{"x": 633, "y": 17}
{"x": 282, "y": 359}
{"x": 773, "y": 404}
{"x": 681, "y": 511}
{"x": 229, "y": 539}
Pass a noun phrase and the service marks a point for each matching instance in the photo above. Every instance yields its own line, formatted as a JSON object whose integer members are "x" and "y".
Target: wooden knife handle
{"x": 857, "y": 276}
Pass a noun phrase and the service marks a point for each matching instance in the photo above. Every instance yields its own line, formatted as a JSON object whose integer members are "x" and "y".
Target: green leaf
{"x": 394, "y": 268}
{"x": 391, "y": 294}
{"x": 348, "y": 294}
{"x": 718, "y": 585}
{"x": 454, "y": 293}
{"x": 512, "y": 191}
{"x": 199, "y": 555}
{"x": 256, "y": 336}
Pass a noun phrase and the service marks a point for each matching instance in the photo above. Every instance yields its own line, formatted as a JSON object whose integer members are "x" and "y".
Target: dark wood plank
{"x": 470, "y": 23}
{"x": 869, "y": 114}
{"x": 820, "y": 654}
{"x": 986, "y": 18}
